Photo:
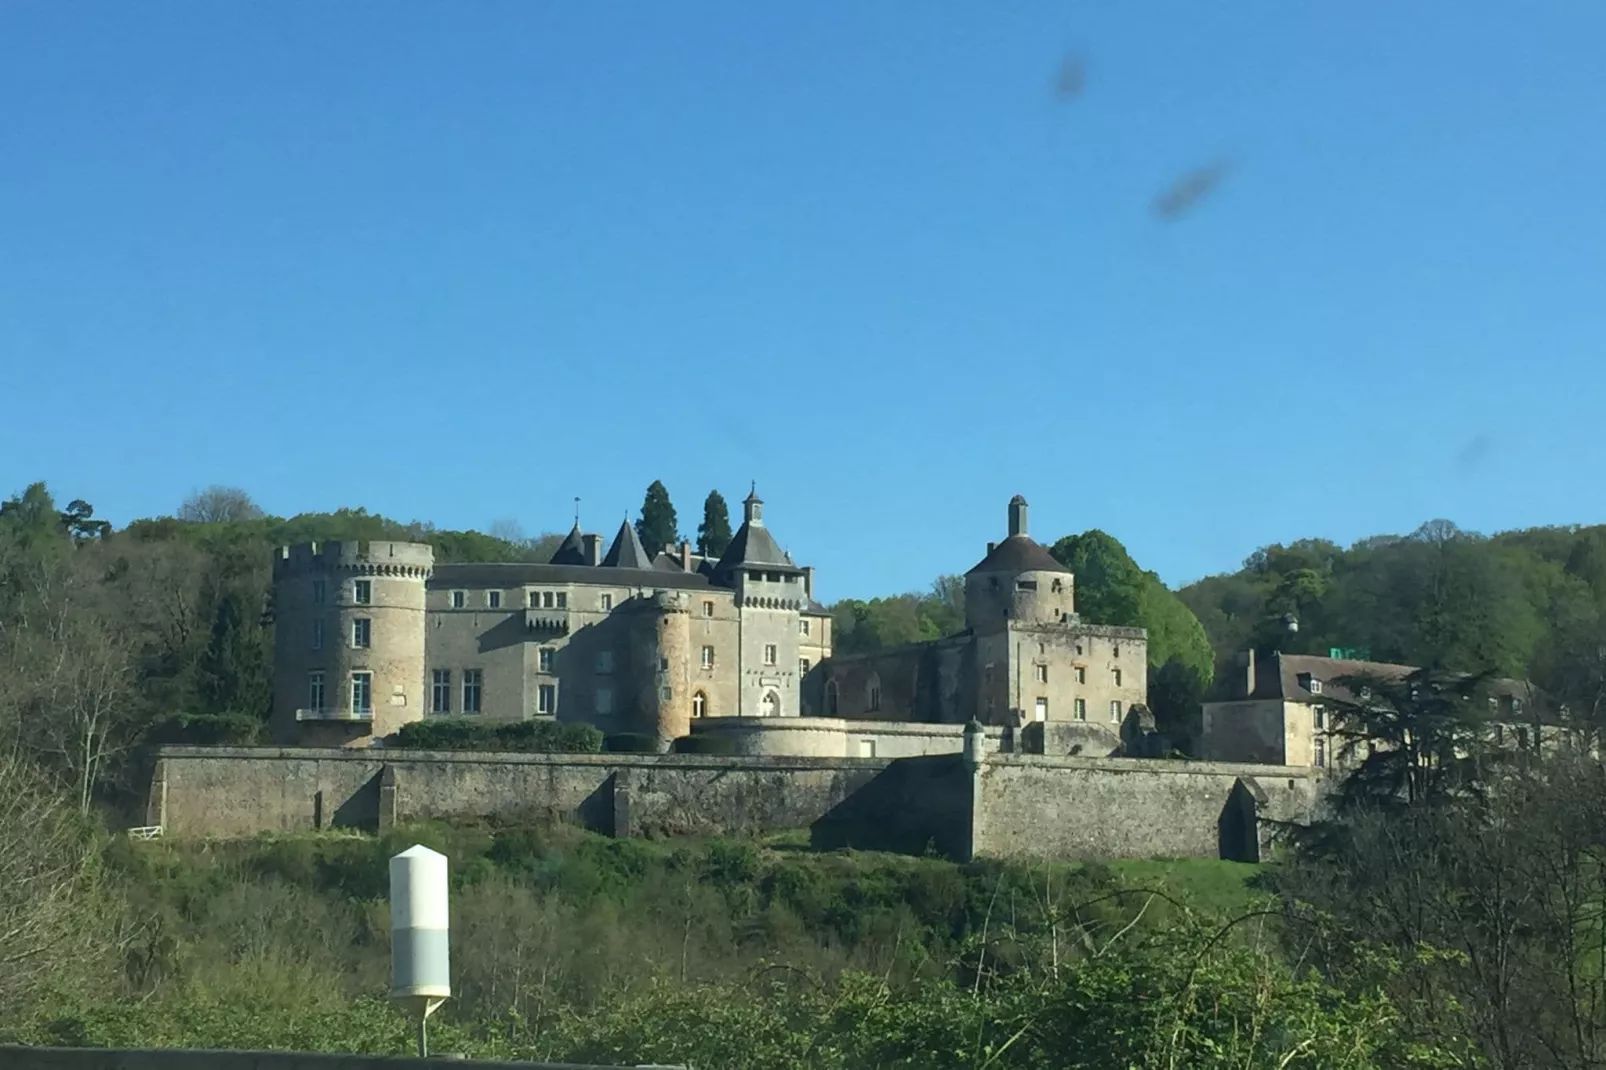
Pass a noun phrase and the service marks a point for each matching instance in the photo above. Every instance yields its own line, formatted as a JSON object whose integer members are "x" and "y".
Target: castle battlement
{"x": 378, "y": 557}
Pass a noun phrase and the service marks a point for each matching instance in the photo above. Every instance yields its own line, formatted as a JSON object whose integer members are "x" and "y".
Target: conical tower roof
{"x": 626, "y": 551}
{"x": 572, "y": 551}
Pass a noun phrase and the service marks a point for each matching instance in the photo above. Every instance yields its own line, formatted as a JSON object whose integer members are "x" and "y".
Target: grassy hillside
{"x": 567, "y": 945}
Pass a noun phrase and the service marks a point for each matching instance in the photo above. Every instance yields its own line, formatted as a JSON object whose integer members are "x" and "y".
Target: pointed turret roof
{"x": 627, "y": 551}
{"x": 753, "y": 544}
{"x": 572, "y": 551}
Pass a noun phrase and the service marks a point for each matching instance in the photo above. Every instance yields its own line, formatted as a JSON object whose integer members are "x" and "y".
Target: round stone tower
{"x": 348, "y": 665}
{"x": 1018, "y": 580}
{"x": 664, "y": 669}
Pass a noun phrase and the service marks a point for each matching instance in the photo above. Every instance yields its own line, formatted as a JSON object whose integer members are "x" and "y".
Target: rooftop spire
{"x": 753, "y": 507}
{"x": 1017, "y": 515}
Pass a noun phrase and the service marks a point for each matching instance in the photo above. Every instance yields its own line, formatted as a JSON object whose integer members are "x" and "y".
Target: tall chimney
{"x": 1249, "y": 673}
{"x": 593, "y": 548}
{"x": 808, "y": 581}
{"x": 685, "y": 556}
{"x": 1017, "y": 516}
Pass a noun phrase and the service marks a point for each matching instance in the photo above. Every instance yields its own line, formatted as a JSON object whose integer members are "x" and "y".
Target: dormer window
{"x": 1310, "y": 683}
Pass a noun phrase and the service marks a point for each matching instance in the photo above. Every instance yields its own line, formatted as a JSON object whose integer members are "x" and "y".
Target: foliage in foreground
{"x": 1171, "y": 997}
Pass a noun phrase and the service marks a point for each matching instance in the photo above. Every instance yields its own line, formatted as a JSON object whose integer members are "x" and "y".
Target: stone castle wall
{"x": 1010, "y": 806}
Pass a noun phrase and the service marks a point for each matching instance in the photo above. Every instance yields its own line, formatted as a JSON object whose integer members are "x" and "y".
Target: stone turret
{"x": 1018, "y": 581}
{"x": 348, "y": 640}
{"x": 663, "y": 668}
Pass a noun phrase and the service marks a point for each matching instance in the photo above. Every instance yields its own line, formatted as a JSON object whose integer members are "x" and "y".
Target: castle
{"x": 370, "y": 636}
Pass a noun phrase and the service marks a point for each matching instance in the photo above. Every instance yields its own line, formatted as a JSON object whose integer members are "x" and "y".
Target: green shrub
{"x": 467, "y": 733}
{"x": 704, "y": 745}
{"x": 630, "y": 743}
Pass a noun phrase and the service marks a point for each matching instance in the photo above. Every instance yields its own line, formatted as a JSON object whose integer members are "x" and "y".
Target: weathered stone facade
{"x": 628, "y": 641}
{"x": 1026, "y": 661}
{"x": 973, "y": 804}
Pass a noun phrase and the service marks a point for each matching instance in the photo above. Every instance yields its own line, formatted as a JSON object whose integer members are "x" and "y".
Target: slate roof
{"x": 627, "y": 551}
{"x": 1284, "y": 681}
{"x": 753, "y": 545}
{"x": 524, "y": 574}
{"x": 572, "y": 551}
{"x": 1019, "y": 553}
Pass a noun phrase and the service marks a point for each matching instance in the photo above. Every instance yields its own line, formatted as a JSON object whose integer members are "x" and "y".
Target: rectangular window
{"x": 318, "y": 592}
{"x": 1042, "y": 674}
{"x": 1320, "y": 716}
{"x": 545, "y": 659}
{"x": 546, "y": 699}
{"x": 317, "y": 635}
{"x": 1041, "y": 712}
{"x": 1115, "y": 650}
{"x": 875, "y": 698}
{"x": 802, "y": 666}
{"x": 663, "y": 664}
{"x": 1115, "y": 674}
{"x": 1321, "y": 752}
{"x": 1078, "y": 649}
{"x": 473, "y": 681}
{"x": 708, "y": 609}
{"x": 1115, "y": 710}
{"x": 1081, "y": 674}
{"x": 493, "y": 599}
{"x": 314, "y": 690}
{"x": 770, "y": 653}
{"x": 1080, "y": 709}
{"x": 362, "y": 692}
{"x": 563, "y": 599}
{"x": 440, "y": 692}
{"x": 803, "y": 626}
{"x": 547, "y": 600}
{"x": 604, "y": 700}
{"x": 362, "y": 592}
{"x": 708, "y": 657}
{"x": 361, "y": 632}
{"x": 607, "y": 603}
{"x": 459, "y": 599}
{"x": 605, "y": 661}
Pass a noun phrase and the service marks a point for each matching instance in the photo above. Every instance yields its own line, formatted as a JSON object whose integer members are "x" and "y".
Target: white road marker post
{"x": 420, "y": 974}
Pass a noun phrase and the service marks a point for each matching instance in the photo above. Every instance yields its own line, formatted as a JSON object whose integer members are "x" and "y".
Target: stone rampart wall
{"x": 1027, "y": 806}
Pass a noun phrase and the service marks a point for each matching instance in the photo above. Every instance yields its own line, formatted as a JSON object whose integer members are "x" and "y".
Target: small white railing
{"x": 335, "y": 715}
{"x": 145, "y": 832}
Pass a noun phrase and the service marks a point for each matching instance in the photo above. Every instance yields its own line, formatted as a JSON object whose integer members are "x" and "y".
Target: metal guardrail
{"x": 334, "y": 715}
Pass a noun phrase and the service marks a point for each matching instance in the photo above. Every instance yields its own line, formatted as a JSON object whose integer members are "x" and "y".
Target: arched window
{"x": 872, "y": 693}
{"x": 699, "y": 705}
{"x": 771, "y": 706}
{"x": 830, "y": 699}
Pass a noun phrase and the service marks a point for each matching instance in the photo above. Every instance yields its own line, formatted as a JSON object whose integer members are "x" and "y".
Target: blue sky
{"x": 461, "y": 262}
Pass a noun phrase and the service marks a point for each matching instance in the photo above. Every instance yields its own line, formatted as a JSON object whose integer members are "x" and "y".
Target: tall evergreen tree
{"x": 658, "y": 526}
{"x": 714, "y": 533}
{"x": 234, "y": 675}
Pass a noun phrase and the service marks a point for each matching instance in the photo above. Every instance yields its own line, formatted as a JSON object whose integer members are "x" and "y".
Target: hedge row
{"x": 467, "y": 733}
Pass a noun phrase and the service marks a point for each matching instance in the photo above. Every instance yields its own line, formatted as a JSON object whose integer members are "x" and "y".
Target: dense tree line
{"x": 1527, "y": 604}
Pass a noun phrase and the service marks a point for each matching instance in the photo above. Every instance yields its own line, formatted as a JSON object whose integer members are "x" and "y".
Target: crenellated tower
{"x": 348, "y": 640}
